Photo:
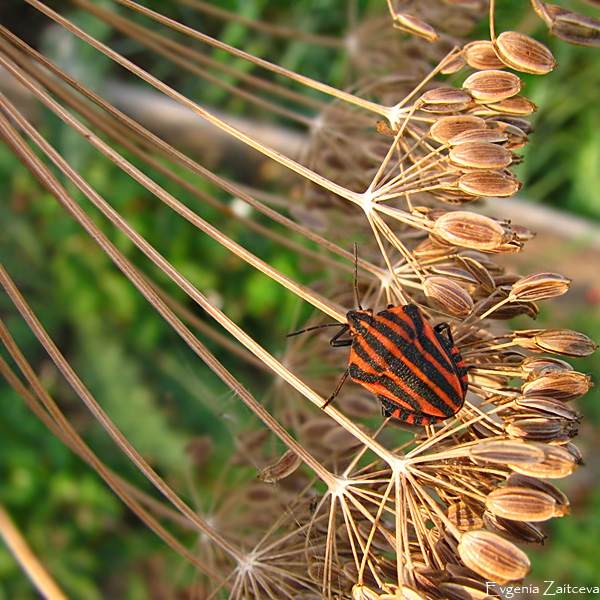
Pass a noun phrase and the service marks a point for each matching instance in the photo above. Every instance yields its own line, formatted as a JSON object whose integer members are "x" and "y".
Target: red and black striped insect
{"x": 416, "y": 371}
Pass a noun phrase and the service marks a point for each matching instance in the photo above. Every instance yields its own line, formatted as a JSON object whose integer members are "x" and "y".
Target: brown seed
{"x": 521, "y": 122}
{"x": 470, "y": 230}
{"x": 517, "y": 105}
{"x": 540, "y": 429}
{"x": 406, "y": 22}
{"x": 449, "y": 295}
{"x": 514, "y": 530}
{"x": 447, "y": 127}
{"x": 516, "y": 137}
{"x": 454, "y": 65}
{"x": 489, "y": 183}
{"x": 572, "y": 27}
{"x": 561, "y": 500}
{"x": 540, "y": 365}
{"x": 285, "y": 466}
{"x": 548, "y": 406}
{"x": 482, "y": 55}
{"x": 493, "y": 558}
{"x": 564, "y": 342}
{"x": 432, "y": 247}
{"x": 492, "y": 85}
{"x": 479, "y": 271}
{"x": 562, "y": 386}
{"x": 506, "y": 452}
{"x": 480, "y": 155}
{"x": 540, "y": 286}
{"x": 557, "y": 463}
{"x": 523, "y": 53}
{"x": 464, "y": 516}
{"x": 455, "y": 273}
{"x": 492, "y": 136}
{"x": 458, "y": 591}
{"x": 444, "y": 99}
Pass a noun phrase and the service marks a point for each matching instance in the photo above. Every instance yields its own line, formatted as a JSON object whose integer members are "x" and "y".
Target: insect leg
{"x": 336, "y": 342}
{"x": 338, "y": 387}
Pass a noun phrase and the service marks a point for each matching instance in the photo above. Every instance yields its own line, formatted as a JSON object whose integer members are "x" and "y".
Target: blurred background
{"x": 136, "y": 365}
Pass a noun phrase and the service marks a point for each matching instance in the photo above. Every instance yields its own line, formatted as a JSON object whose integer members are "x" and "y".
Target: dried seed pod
{"x": 514, "y": 530}
{"x": 447, "y": 127}
{"x": 454, "y": 65}
{"x": 470, "y": 230}
{"x": 516, "y": 137}
{"x": 464, "y": 517}
{"x": 548, "y": 406}
{"x": 541, "y": 365}
{"x": 540, "y": 286}
{"x": 406, "y": 22}
{"x": 492, "y": 557}
{"x": 489, "y": 183}
{"x": 516, "y": 105}
{"x": 449, "y": 295}
{"x": 285, "y": 466}
{"x": 562, "y": 386}
{"x": 432, "y": 247}
{"x": 479, "y": 271}
{"x": 492, "y": 85}
{"x": 523, "y": 53}
{"x": 482, "y": 55}
{"x": 557, "y": 341}
{"x": 505, "y": 452}
{"x": 540, "y": 429}
{"x": 480, "y": 155}
{"x": 521, "y": 122}
{"x": 562, "y": 502}
{"x": 455, "y": 273}
{"x": 444, "y": 99}
{"x": 573, "y": 27}
{"x": 557, "y": 463}
{"x": 492, "y": 136}
{"x": 460, "y": 591}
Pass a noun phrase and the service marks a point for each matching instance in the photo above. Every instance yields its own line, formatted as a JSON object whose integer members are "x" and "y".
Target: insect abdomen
{"x": 398, "y": 356}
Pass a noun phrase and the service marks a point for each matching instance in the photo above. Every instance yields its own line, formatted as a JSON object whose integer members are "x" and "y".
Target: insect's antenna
{"x": 315, "y": 327}
{"x": 356, "y": 275}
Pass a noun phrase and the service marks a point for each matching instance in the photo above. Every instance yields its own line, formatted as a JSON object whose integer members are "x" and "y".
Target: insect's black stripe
{"x": 407, "y": 362}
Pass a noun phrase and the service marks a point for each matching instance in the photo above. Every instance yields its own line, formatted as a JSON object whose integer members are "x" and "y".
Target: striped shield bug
{"x": 415, "y": 370}
{"x": 413, "y": 367}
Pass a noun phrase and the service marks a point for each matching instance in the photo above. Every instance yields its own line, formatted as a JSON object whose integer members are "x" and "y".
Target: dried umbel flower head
{"x": 344, "y": 504}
